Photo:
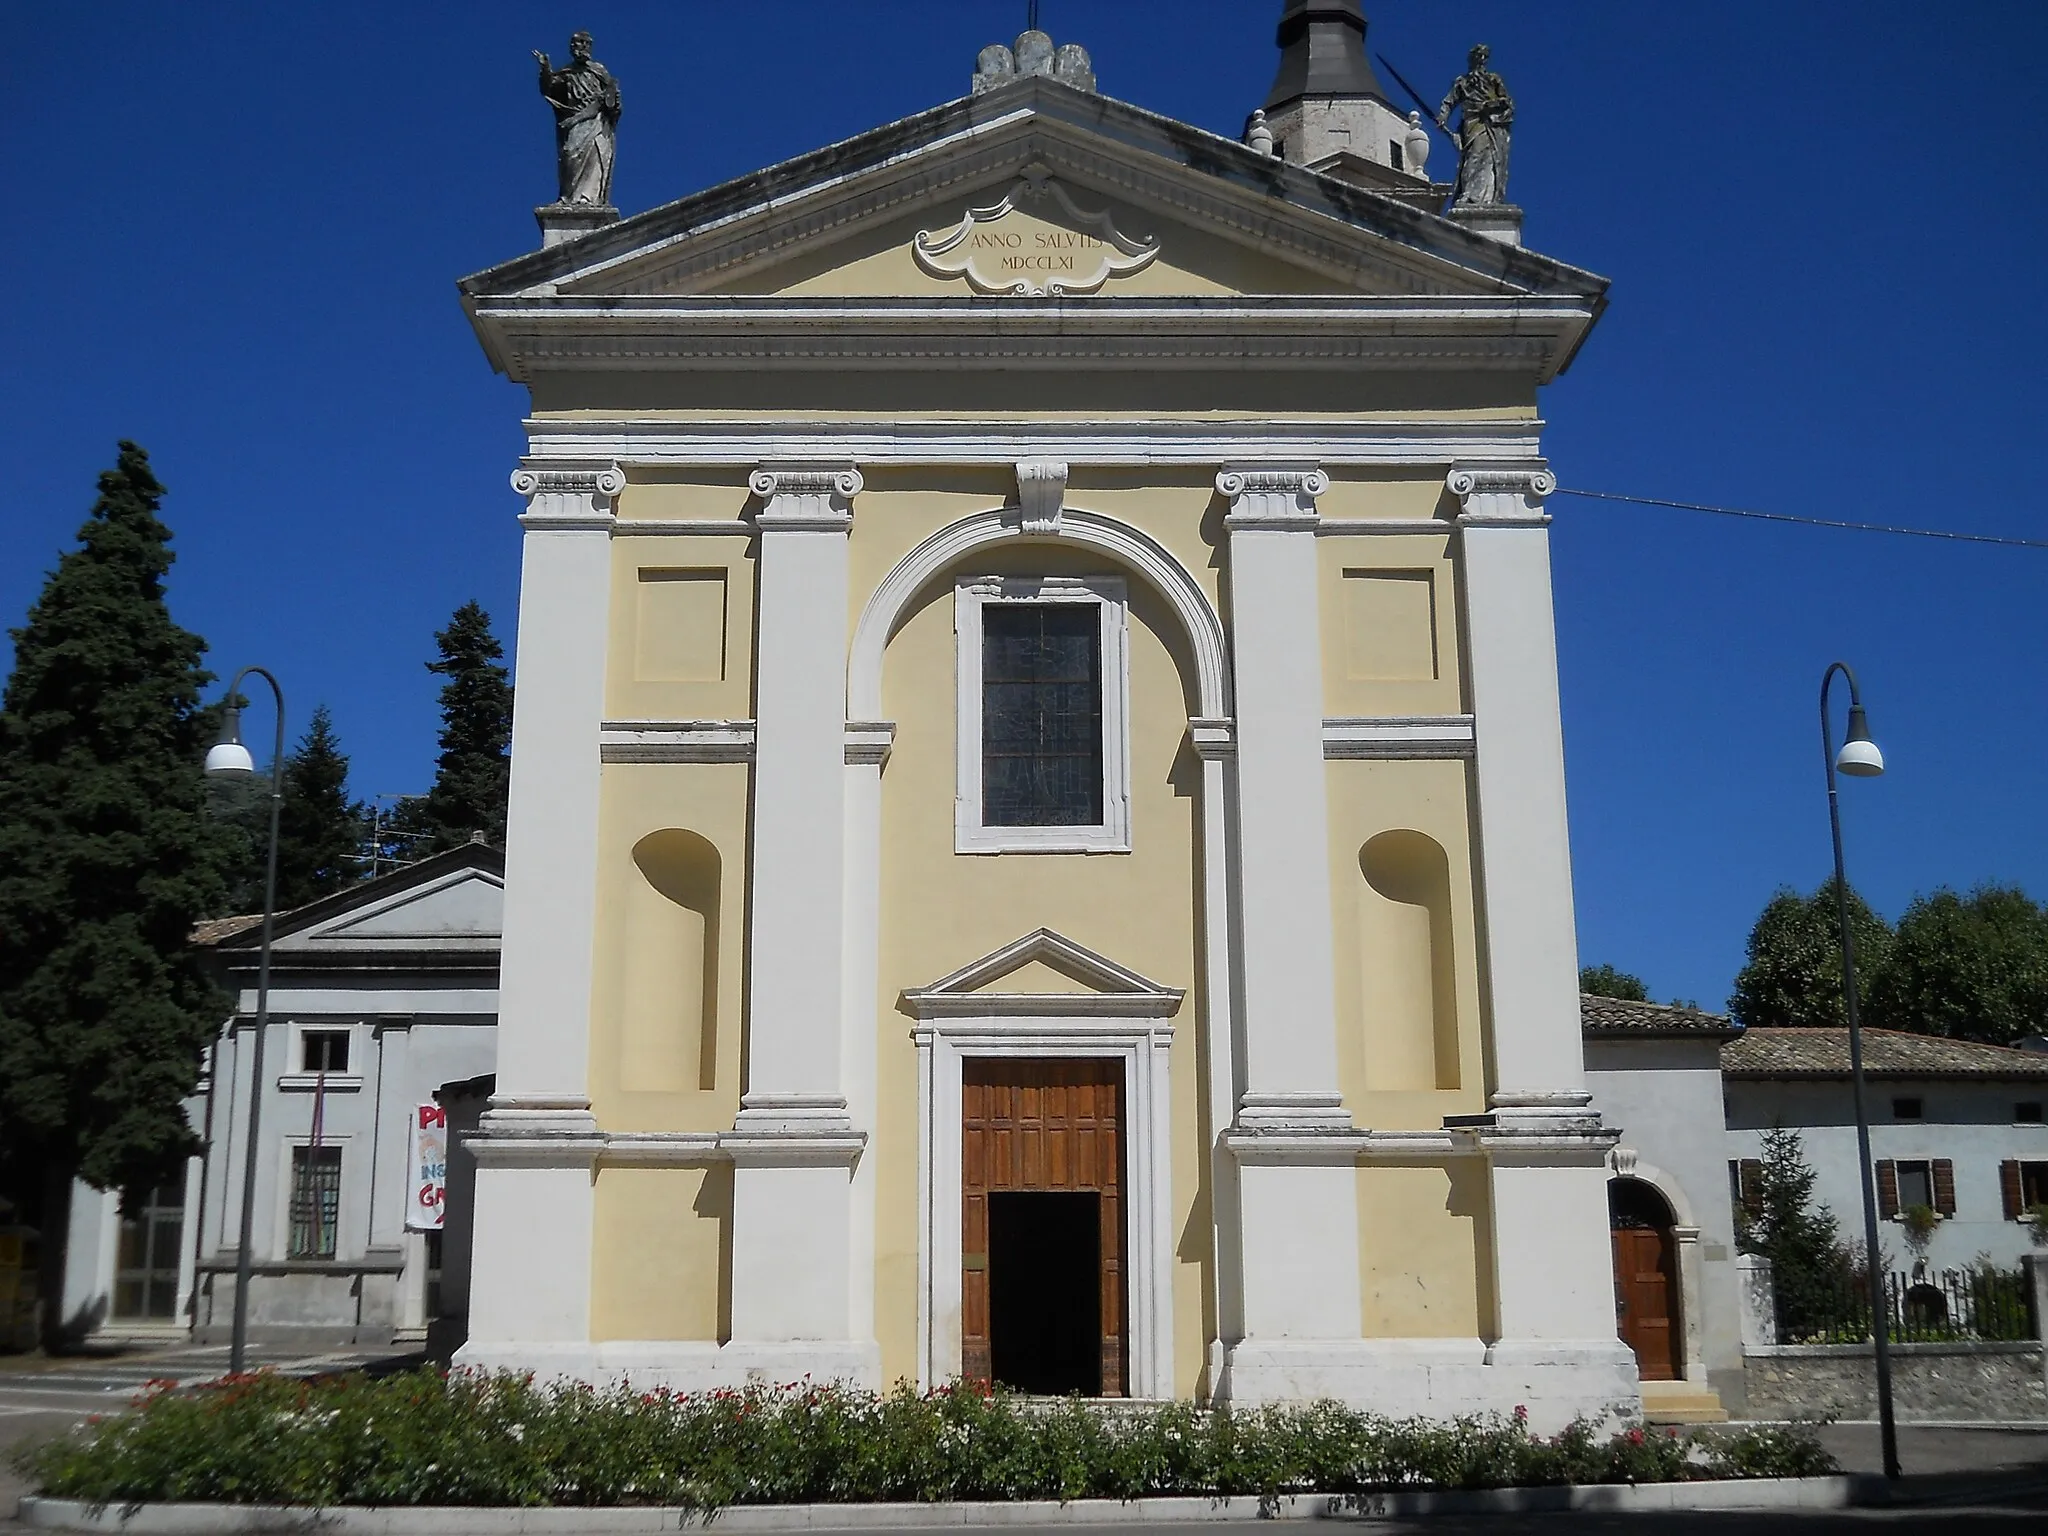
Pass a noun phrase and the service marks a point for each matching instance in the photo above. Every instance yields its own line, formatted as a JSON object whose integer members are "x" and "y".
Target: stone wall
{"x": 2002, "y": 1382}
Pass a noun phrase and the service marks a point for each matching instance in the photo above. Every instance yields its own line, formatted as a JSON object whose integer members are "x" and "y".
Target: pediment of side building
{"x": 462, "y": 907}
{"x": 845, "y": 223}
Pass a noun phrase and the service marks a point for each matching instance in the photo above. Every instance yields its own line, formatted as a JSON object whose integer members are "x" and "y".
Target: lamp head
{"x": 1859, "y": 757}
{"x": 229, "y": 759}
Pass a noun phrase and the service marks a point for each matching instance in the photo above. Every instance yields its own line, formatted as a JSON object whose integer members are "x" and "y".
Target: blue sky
{"x": 237, "y": 229}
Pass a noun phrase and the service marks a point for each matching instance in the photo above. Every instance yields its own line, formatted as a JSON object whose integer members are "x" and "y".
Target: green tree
{"x": 1606, "y": 981}
{"x": 1794, "y": 971}
{"x": 106, "y": 860}
{"x": 320, "y": 830}
{"x": 474, "y": 770}
{"x": 1970, "y": 967}
{"x": 1811, "y": 1270}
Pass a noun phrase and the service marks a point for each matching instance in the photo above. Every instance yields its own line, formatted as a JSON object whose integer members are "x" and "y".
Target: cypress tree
{"x": 106, "y": 861}
{"x": 474, "y": 770}
{"x": 320, "y": 831}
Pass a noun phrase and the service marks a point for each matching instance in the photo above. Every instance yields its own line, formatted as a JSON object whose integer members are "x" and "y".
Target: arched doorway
{"x": 1646, "y": 1300}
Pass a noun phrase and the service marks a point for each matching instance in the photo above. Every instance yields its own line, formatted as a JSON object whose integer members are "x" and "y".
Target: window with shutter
{"x": 2033, "y": 1185}
{"x": 1887, "y": 1189}
{"x": 1746, "y": 1185}
{"x": 1944, "y": 1186}
{"x": 2009, "y": 1190}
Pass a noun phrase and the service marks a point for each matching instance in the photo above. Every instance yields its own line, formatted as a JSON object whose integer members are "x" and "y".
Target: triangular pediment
{"x": 1043, "y": 973}
{"x": 845, "y": 222}
{"x": 454, "y": 901}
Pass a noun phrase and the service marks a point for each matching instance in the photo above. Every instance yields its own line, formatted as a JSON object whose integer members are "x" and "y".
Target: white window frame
{"x": 971, "y": 597}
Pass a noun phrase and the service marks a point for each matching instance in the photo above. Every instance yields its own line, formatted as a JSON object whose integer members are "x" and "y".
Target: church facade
{"x": 1038, "y": 836}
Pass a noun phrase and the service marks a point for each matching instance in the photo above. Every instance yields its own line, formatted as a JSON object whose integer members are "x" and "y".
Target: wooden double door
{"x": 1042, "y": 1225}
{"x": 1646, "y": 1297}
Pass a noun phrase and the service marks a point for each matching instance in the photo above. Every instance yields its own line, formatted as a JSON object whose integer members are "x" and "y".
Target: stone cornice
{"x": 534, "y": 336}
{"x": 1201, "y": 443}
{"x": 676, "y": 741}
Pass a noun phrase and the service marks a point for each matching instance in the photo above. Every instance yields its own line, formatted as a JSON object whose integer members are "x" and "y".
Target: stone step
{"x": 1682, "y": 1402}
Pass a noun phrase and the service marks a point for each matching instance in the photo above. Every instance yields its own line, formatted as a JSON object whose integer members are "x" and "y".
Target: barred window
{"x": 316, "y": 1201}
{"x": 1041, "y": 737}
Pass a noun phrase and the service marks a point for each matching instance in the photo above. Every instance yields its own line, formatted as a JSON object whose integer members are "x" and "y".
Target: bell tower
{"x": 1327, "y": 109}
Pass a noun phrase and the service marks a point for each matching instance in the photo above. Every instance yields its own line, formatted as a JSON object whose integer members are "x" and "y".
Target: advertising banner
{"x": 427, "y": 1187}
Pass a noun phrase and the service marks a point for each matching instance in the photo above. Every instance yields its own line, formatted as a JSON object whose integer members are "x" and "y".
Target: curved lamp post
{"x": 1860, "y": 759}
{"x": 229, "y": 759}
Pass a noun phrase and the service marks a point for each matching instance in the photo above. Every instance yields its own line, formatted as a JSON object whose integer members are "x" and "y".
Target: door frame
{"x": 1132, "y": 1027}
{"x": 1626, "y": 1163}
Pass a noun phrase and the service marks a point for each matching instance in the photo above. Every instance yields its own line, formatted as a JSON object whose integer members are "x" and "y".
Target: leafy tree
{"x": 1606, "y": 981}
{"x": 1794, "y": 972}
{"x": 474, "y": 771}
{"x": 106, "y": 860}
{"x": 1970, "y": 967}
{"x": 1810, "y": 1268}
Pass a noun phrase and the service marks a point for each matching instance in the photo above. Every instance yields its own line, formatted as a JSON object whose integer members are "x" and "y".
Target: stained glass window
{"x": 1041, "y": 726}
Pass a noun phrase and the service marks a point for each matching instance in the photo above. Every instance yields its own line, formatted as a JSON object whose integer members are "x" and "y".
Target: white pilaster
{"x": 1545, "y": 1149}
{"x": 1525, "y": 871}
{"x": 1288, "y": 958}
{"x": 793, "y": 1143}
{"x": 1293, "y": 1142}
{"x": 537, "y": 1142}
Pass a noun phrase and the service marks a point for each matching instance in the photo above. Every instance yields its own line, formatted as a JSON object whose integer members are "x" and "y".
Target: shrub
{"x": 1769, "y": 1450}
{"x": 502, "y": 1440}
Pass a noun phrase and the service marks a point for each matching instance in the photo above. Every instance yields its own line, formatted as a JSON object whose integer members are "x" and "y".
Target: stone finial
{"x": 1034, "y": 53}
{"x": 1259, "y": 134}
{"x": 1416, "y": 146}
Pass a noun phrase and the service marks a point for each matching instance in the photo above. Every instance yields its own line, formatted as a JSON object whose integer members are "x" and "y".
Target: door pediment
{"x": 1043, "y": 973}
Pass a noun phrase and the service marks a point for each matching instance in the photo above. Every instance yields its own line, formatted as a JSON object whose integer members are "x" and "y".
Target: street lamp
{"x": 229, "y": 759}
{"x": 1860, "y": 759}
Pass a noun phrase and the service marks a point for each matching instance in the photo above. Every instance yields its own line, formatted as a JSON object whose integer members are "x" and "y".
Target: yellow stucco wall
{"x": 662, "y": 1240}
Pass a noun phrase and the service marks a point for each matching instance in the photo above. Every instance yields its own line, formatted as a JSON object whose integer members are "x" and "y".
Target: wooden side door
{"x": 1646, "y": 1293}
{"x": 1041, "y": 1125}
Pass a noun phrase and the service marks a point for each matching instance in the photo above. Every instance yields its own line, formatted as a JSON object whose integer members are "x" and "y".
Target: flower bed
{"x": 475, "y": 1439}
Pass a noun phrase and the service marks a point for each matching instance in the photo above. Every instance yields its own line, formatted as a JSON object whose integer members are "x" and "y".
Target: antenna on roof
{"x": 1031, "y": 16}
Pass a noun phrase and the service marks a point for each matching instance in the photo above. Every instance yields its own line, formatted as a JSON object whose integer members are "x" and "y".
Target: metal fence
{"x": 1952, "y": 1306}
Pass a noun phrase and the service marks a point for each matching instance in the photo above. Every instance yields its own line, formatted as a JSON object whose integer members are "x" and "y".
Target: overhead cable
{"x": 1809, "y": 522}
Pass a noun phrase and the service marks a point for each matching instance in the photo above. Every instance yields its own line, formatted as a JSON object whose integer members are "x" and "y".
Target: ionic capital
{"x": 1278, "y": 498}
{"x": 573, "y": 497}
{"x": 805, "y": 498}
{"x": 1502, "y": 494}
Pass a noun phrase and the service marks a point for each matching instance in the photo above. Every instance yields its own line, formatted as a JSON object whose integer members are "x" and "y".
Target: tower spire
{"x": 1322, "y": 53}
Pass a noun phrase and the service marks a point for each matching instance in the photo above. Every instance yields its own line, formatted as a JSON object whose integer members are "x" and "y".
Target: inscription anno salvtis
{"x": 1042, "y": 250}
{"x": 1000, "y": 249}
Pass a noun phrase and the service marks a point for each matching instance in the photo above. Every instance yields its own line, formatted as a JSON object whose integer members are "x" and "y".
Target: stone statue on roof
{"x": 1489, "y": 113}
{"x": 586, "y": 102}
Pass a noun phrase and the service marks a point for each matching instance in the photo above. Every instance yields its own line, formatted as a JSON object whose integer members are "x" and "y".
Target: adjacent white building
{"x": 1655, "y": 1073}
{"x": 1956, "y": 1127}
{"x": 384, "y": 998}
